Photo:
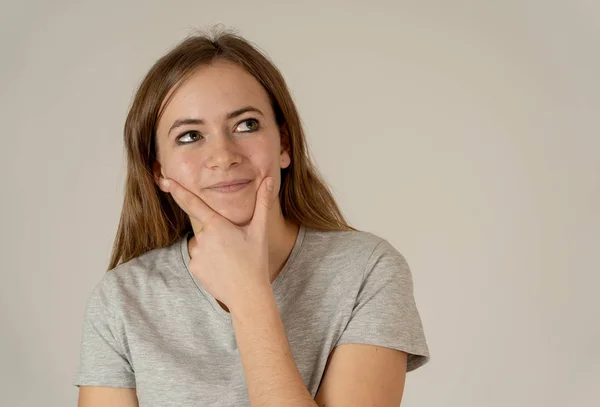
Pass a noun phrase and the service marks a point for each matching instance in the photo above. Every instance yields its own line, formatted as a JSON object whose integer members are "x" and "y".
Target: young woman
{"x": 234, "y": 278}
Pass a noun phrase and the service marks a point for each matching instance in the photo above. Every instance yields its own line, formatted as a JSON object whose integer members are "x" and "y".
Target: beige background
{"x": 465, "y": 132}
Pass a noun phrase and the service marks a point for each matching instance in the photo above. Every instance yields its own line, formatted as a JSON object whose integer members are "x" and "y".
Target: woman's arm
{"x": 95, "y": 396}
{"x": 271, "y": 374}
{"x": 363, "y": 375}
{"x": 356, "y": 374}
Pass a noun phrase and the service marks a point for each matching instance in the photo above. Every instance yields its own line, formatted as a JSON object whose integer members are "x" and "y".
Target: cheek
{"x": 264, "y": 164}
{"x": 186, "y": 172}
{"x": 265, "y": 157}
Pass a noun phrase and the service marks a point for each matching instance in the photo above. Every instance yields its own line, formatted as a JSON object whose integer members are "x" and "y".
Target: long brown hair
{"x": 151, "y": 218}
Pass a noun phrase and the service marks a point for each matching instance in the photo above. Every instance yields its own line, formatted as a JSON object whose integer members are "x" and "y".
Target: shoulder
{"x": 360, "y": 254}
{"x": 356, "y": 252}
{"x": 131, "y": 289}
{"x": 157, "y": 267}
{"x": 356, "y": 245}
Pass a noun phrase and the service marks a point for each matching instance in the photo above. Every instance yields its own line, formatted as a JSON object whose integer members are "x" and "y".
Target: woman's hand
{"x": 231, "y": 262}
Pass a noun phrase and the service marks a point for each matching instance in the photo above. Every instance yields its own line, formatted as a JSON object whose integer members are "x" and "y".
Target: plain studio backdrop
{"x": 467, "y": 133}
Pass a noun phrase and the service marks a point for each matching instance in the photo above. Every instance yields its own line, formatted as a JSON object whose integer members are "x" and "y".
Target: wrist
{"x": 251, "y": 299}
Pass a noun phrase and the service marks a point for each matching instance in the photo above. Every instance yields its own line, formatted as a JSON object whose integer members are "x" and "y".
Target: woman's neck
{"x": 281, "y": 242}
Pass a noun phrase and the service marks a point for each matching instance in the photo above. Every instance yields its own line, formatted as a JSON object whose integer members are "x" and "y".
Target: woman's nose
{"x": 223, "y": 152}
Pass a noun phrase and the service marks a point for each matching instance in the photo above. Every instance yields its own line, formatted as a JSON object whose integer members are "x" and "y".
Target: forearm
{"x": 271, "y": 374}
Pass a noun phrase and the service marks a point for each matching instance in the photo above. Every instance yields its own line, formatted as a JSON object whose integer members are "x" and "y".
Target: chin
{"x": 237, "y": 217}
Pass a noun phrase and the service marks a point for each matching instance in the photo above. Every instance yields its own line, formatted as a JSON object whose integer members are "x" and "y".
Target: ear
{"x": 285, "y": 155}
{"x": 157, "y": 174}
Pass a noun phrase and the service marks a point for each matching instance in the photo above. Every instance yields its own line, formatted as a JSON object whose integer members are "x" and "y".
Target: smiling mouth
{"x": 230, "y": 187}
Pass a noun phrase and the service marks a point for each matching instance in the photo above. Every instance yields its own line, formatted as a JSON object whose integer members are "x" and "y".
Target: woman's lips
{"x": 230, "y": 188}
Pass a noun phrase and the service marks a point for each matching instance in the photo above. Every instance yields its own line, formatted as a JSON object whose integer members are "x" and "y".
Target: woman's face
{"x": 219, "y": 126}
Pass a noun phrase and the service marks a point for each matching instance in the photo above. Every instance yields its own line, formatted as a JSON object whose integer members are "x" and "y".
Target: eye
{"x": 254, "y": 125}
{"x": 192, "y": 133}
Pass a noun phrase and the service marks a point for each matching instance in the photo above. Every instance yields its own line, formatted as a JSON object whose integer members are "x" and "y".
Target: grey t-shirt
{"x": 150, "y": 325}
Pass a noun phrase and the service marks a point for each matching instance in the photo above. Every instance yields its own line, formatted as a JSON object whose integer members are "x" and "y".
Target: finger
{"x": 264, "y": 202}
{"x": 191, "y": 203}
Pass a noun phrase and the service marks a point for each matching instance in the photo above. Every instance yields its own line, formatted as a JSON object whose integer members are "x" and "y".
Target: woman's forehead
{"x": 213, "y": 91}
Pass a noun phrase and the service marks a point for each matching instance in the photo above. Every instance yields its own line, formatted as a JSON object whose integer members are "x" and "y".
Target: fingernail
{"x": 270, "y": 184}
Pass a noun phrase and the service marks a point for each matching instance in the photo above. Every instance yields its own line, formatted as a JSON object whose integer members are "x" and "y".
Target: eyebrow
{"x": 235, "y": 113}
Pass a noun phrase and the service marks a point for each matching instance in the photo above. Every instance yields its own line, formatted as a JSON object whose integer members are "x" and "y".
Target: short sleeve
{"x": 103, "y": 360}
{"x": 385, "y": 312}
